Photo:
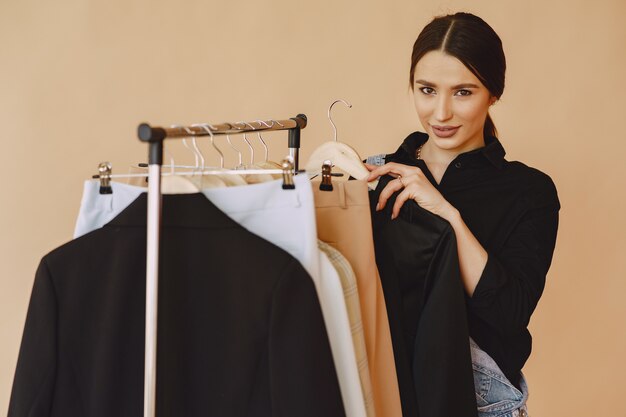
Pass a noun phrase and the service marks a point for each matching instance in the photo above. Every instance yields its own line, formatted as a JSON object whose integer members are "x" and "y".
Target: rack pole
{"x": 294, "y": 141}
{"x": 155, "y": 160}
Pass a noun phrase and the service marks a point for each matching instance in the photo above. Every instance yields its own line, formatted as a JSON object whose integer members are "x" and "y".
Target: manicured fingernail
{"x": 377, "y": 206}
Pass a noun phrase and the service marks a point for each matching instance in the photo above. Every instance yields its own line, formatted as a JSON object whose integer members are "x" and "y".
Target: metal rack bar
{"x": 148, "y": 133}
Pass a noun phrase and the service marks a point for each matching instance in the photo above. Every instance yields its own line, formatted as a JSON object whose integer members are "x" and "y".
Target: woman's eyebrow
{"x": 429, "y": 84}
{"x": 466, "y": 85}
{"x": 426, "y": 83}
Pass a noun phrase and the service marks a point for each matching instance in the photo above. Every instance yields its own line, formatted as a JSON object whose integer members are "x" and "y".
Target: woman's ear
{"x": 493, "y": 100}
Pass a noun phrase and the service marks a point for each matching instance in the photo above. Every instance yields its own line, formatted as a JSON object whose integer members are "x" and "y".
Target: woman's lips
{"x": 445, "y": 131}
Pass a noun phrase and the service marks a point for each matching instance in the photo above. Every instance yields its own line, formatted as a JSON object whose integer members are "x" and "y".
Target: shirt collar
{"x": 493, "y": 150}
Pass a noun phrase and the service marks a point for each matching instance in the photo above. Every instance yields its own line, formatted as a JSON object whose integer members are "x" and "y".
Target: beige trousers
{"x": 344, "y": 222}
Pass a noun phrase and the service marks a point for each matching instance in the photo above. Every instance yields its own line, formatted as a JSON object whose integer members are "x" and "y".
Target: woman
{"x": 504, "y": 214}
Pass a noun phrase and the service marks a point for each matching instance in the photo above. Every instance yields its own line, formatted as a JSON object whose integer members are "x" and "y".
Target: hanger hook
{"x": 248, "y": 142}
{"x": 331, "y": 119}
{"x": 235, "y": 148}
{"x": 193, "y": 151}
{"x": 277, "y": 122}
{"x": 261, "y": 122}
{"x": 207, "y": 128}
{"x": 195, "y": 147}
{"x": 172, "y": 164}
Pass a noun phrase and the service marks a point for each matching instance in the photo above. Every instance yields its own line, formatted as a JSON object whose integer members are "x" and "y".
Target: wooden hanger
{"x": 341, "y": 155}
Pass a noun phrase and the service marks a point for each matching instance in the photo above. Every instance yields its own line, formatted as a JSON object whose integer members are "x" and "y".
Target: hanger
{"x": 176, "y": 184}
{"x": 339, "y": 154}
{"x": 143, "y": 167}
{"x": 266, "y": 163}
{"x": 229, "y": 180}
{"x": 255, "y": 178}
{"x": 172, "y": 183}
{"x": 193, "y": 173}
{"x": 239, "y": 154}
{"x": 213, "y": 181}
{"x": 258, "y": 134}
{"x": 216, "y": 181}
{"x": 245, "y": 139}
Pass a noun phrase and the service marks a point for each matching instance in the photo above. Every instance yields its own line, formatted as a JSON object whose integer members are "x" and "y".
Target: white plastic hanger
{"x": 341, "y": 155}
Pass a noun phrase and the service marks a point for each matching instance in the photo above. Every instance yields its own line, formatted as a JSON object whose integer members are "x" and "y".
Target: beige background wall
{"x": 76, "y": 77}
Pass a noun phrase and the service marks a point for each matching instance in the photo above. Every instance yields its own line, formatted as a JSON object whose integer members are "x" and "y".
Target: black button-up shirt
{"x": 512, "y": 209}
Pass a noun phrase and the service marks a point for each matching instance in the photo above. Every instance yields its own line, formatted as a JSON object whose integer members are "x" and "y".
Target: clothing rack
{"x": 155, "y": 136}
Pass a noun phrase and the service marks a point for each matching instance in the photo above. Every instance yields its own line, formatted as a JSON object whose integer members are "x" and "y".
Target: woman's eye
{"x": 464, "y": 93}
{"x": 427, "y": 90}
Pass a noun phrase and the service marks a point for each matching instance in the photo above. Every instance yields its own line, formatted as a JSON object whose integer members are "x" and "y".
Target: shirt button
{"x": 458, "y": 165}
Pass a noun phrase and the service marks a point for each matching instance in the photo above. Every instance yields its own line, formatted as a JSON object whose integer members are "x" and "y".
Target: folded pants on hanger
{"x": 344, "y": 221}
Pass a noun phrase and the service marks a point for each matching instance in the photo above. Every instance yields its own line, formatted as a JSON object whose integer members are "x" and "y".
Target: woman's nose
{"x": 443, "y": 110}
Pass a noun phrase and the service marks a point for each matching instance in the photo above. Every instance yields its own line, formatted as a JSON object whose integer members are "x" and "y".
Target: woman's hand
{"x": 414, "y": 185}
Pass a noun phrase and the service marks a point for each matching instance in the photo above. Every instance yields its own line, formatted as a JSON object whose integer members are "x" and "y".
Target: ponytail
{"x": 490, "y": 127}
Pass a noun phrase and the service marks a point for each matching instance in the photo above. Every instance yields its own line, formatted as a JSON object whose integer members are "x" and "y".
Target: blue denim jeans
{"x": 495, "y": 394}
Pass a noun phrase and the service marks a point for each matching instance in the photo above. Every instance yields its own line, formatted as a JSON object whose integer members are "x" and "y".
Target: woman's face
{"x": 451, "y": 102}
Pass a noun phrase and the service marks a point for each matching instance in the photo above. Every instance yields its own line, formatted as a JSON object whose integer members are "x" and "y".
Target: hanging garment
{"x": 344, "y": 221}
{"x": 418, "y": 262}
{"x": 234, "y": 338}
{"x": 287, "y": 219}
{"x": 351, "y": 296}
{"x": 97, "y": 209}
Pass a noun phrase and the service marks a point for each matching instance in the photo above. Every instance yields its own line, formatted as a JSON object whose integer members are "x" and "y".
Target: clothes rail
{"x": 151, "y": 134}
{"x": 155, "y": 136}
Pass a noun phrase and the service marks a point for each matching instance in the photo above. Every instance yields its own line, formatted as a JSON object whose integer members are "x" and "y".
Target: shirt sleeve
{"x": 302, "y": 371}
{"x": 514, "y": 277}
{"x": 33, "y": 384}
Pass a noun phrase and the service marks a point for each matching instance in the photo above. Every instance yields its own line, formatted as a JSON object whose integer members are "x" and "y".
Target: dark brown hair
{"x": 473, "y": 42}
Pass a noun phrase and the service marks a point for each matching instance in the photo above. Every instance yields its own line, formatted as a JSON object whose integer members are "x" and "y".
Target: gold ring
{"x": 400, "y": 179}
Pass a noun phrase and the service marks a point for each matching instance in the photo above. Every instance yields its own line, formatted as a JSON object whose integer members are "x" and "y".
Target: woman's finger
{"x": 390, "y": 188}
{"x": 394, "y": 169}
{"x": 400, "y": 200}
{"x": 376, "y": 172}
{"x": 389, "y": 168}
{"x": 371, "y": 167}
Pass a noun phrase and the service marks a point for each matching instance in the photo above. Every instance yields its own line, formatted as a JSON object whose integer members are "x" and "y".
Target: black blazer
{"x": 240, "y": 330}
